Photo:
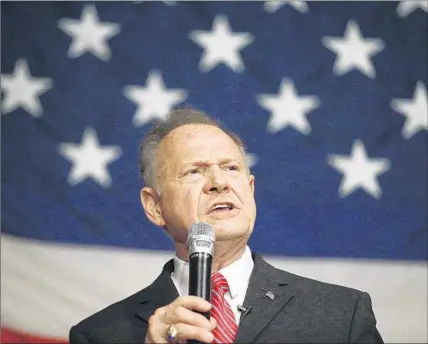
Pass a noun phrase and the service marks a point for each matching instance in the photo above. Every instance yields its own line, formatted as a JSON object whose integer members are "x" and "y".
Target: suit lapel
{"x": 268, "y": 292}
{"x": 160, "y": 293}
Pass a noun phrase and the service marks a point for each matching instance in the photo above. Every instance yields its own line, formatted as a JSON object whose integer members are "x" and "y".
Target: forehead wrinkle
{"x": 178, "y": 138}
{"x": 191, "y": 131}
{"x": 207, "y": 163}
{"x": 168, "y": 146}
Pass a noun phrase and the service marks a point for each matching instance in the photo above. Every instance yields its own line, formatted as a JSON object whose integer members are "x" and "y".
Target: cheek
{"x": 185, "y": 201}
{"x": 242, "y": 188}
{"x": 248, "y": 196}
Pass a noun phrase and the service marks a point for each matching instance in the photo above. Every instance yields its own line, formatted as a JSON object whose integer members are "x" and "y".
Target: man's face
{"x": 203, "y": 177}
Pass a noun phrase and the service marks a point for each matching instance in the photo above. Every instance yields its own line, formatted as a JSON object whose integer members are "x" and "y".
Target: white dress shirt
{"x": 237, "y": 276}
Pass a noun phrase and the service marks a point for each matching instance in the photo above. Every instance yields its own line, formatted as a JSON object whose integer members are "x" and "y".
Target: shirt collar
{"x": 237, "y": 274}
{"x": 180, "y": 276}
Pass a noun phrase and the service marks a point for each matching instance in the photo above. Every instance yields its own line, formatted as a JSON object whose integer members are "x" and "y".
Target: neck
{"x": 225, "y": 254}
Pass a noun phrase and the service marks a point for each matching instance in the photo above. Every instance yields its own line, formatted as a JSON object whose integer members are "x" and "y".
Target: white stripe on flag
{"x": 48, "y": 287}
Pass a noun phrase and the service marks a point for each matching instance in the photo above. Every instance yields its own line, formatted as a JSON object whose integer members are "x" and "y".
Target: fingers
{"x": 156, "y": 332}
{"x": 186, "y": 331}
{"x": 192, "y": 302}
{"x": 179, "y": 314}
{"x": 183, "y": 314}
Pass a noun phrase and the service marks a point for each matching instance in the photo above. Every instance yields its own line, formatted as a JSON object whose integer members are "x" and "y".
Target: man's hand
{"x": 182, "y": 314}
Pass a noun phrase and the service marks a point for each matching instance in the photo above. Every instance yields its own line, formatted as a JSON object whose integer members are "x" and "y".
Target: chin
{"x": 230, "y": 226}
{"x": 230, "y": 232}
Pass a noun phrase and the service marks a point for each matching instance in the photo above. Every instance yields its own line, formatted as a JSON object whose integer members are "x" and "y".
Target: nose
{"x": 216, "y": 181}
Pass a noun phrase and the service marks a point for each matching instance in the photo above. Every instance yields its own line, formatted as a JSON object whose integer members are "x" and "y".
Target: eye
{"x": 232, "y": 167}
{"x": 193, "y": 171}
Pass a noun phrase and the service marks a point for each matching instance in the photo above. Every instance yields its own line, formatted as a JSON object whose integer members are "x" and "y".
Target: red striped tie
{"x": 221, "y": 311}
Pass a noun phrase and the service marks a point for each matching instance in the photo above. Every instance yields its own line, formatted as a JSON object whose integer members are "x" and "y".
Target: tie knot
{"x": 219, "y": 282}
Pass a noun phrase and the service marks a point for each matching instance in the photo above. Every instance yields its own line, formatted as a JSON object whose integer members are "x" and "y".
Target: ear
{"x": 151, "y": 205}
{"x": 252, "y": 183}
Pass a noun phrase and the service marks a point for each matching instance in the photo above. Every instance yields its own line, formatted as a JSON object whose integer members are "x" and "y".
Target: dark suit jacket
{"x": 301, "y": 311}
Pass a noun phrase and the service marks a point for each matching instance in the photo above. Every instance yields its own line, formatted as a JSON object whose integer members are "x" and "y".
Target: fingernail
{"x": 209, "y": 337}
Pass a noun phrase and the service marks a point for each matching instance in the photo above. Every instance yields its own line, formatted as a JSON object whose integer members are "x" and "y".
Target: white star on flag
{"x": 406, "y": 7}
{"x": 89, "y": 159}
{"x": 271, "y": 6}
{"x": 287, "y": 108}
{"x": 89, "y": 34}
{"x": 221, "y": 45}
{"x": 23, "y": 90}
{"x": 353, "y": 51}
{"x": 251, "y": 159}
{"x": 414, "y": 110}
{"x": 154, "y": 101}
{"x": 359, "y": 171}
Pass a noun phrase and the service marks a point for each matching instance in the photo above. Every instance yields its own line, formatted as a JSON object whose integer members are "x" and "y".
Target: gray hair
{"x": 175, "y": 119}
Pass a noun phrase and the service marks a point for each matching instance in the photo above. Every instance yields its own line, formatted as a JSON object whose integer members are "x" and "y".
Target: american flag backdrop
{"x": 330, "y": 99}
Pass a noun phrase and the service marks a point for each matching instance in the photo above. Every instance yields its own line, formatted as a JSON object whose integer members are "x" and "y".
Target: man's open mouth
{"x": 222, "y": 207}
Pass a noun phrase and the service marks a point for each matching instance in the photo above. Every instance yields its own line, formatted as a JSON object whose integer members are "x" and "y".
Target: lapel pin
{"x": 268, "y": 294}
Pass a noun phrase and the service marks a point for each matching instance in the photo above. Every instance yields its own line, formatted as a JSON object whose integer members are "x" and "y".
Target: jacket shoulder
{"x": 120, "y": 312}
{"x": 312, "y": 289}
{"x": 125, "y": 321}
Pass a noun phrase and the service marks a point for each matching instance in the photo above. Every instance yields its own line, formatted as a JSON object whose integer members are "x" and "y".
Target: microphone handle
{"x": 200, "y": 276}
{"x": 200, "y": 279}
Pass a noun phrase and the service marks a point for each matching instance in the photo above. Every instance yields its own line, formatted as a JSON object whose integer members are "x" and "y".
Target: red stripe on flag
{"x": 13, "y": 336}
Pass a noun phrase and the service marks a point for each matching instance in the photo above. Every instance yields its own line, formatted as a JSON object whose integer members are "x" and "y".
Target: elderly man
{"x": 195, "y": 171}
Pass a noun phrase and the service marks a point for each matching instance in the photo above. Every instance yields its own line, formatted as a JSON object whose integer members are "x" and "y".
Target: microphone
{"x": 200, "y": 245}
{"x": 244, "y": 311}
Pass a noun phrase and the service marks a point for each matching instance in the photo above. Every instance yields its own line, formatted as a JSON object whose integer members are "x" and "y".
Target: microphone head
{"x": 201, "y": 238}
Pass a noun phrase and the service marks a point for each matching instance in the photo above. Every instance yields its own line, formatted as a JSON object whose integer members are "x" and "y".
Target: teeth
{"x": 222, "y": 206}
